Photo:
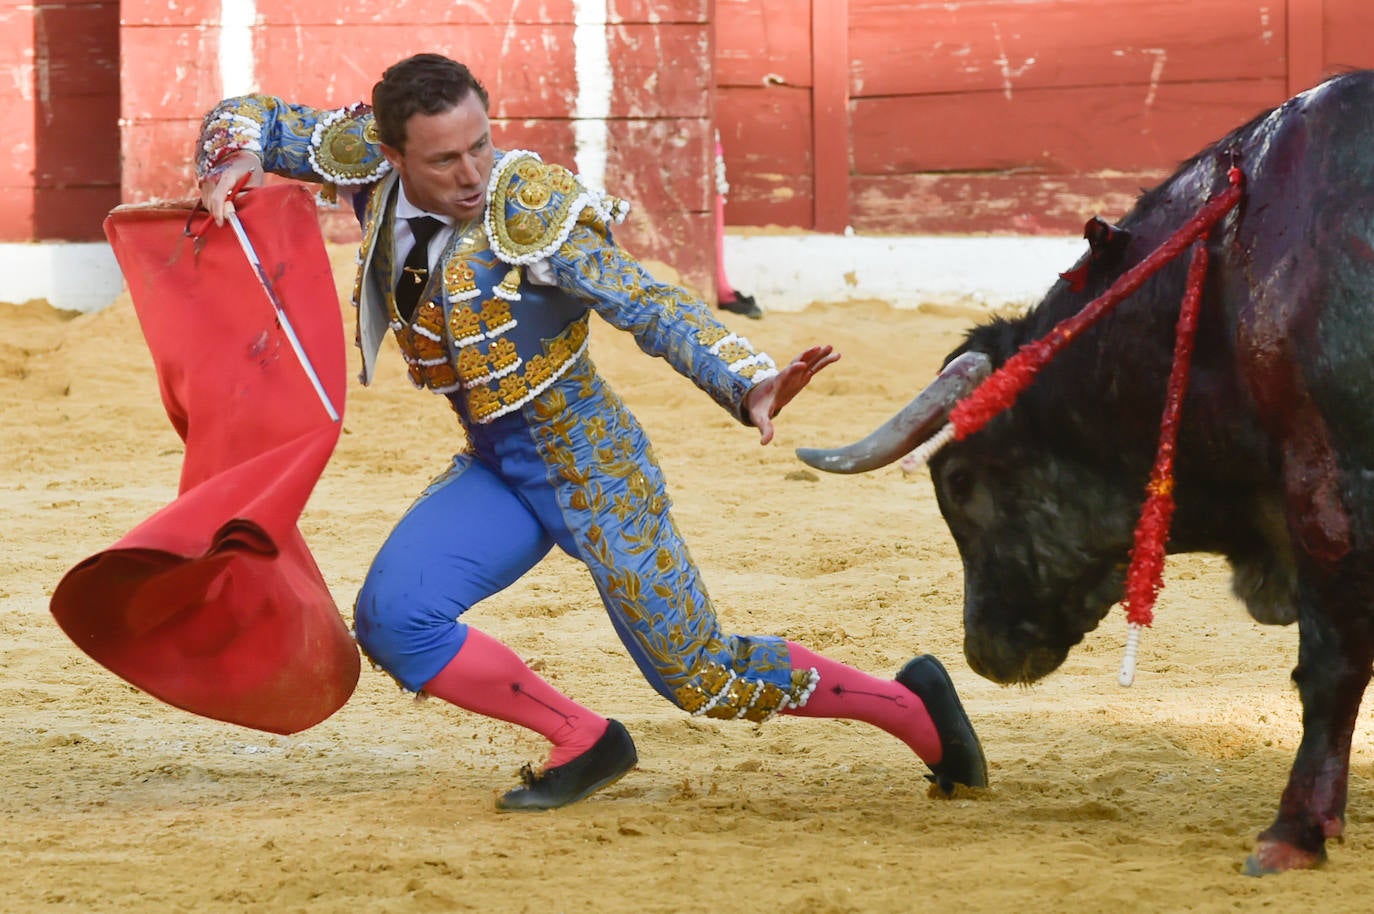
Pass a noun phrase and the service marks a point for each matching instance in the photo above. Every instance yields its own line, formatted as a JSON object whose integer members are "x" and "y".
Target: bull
{"x": 1275, "y": 451}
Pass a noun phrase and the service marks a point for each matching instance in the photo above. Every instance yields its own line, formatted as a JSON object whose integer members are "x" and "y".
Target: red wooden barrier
{"x": 1003, "y": 115}
{"x": 61, "y": 174}
{"x": 951, "y": 116}
{"x": 658, "y": 65}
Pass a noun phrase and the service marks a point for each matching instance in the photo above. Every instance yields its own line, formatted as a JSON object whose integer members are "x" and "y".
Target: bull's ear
{"x": 1106, "y": 241}
{"x": 1077, "y": 278}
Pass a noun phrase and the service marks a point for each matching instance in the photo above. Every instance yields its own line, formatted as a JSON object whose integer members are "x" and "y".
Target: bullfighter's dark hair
{"x": 421, "y": 84}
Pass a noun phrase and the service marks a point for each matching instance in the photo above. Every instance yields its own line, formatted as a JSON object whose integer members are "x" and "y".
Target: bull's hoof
{"x": 1272, "y": 857}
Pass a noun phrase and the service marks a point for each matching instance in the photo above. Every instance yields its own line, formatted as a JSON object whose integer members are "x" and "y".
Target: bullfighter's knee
{"x": 401, "y": 630}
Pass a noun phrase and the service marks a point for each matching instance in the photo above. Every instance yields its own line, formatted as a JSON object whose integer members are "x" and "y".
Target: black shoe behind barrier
{"x": 742, "y": 304}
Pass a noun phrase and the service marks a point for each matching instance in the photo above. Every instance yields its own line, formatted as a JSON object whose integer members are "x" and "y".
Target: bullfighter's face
{"x": 1043, "y": 541}
{"x": 447, "y": 160}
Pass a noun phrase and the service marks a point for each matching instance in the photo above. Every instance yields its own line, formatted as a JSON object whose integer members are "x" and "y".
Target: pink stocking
{"x": 724, "y": 291}
{"x": 488, "y": 678}
{"x": 854, "y": 695}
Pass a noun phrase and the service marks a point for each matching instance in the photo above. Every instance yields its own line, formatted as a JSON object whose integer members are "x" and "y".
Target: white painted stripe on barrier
{"x": 237, "y": 66}
{"x": 594, "y": 85}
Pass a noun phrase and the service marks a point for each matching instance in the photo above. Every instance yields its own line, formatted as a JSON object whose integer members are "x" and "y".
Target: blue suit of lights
{"x": 553, "y": 455}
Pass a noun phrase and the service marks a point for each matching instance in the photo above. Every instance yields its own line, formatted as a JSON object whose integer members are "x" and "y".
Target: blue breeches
{"x": 469, "y": 536}
{"x": 585, "y": 479}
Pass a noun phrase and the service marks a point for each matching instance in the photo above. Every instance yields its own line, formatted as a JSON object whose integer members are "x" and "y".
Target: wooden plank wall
{"x": 60, "y": 174}
{"x": 1001, "y": 115}
{"x": 659, "y": 155}
{"x": 764, "y": 111}
{"x": 884, "y": 115}
{"x": 17, "y": 107}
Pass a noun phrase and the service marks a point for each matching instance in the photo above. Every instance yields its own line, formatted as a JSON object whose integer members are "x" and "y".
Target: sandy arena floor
{"x": 1103, "y": 800}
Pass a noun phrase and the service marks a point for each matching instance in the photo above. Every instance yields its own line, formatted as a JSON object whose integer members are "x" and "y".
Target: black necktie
{"x": 415, "y": 271}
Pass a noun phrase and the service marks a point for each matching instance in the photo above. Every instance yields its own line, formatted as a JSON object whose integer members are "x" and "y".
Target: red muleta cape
{"x": 215, "y": 604}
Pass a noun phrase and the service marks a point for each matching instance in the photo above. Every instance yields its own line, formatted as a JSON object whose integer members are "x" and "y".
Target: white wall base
{"x": 787, "y": 272}
{"x": 70, "y": 276}
{"x": 784, "y": 272}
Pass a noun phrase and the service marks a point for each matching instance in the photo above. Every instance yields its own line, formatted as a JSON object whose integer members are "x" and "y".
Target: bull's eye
{"x": 959, "y": 483}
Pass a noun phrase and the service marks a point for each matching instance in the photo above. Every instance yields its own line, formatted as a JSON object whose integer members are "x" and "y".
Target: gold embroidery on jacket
{"x": 426, "y": 354}
{"x": 497, "y": 394}
{"x": 344, "y": 148}
{"x": 683, "y": 654}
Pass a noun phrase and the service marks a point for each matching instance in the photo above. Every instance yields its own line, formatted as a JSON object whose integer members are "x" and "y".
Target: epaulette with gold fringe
{"x": 532, "y": 207}
{"x": 345, "y": 148}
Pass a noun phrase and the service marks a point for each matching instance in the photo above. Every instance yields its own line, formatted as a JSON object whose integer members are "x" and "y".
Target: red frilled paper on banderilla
{"x": 215, "y": 604}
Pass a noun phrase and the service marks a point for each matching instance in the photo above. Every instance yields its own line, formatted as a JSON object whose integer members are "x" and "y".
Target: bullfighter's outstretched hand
{"x": 767, "y": 399}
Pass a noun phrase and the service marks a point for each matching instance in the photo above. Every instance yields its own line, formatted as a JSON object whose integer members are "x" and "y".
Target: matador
{"x": 486, "y": 265}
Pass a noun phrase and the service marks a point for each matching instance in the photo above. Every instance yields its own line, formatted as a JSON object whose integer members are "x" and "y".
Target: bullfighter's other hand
{"x": 768, "y": 398}
{"x": 217, "y": 189}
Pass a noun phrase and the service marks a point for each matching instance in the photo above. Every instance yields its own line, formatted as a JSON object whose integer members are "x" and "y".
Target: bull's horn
{"x": 916, "y": 422}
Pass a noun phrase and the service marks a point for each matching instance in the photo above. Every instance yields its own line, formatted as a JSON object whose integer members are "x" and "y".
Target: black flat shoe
{"x": 609, "y": 758}
{"x": 742, "y": 304}
{"x": 962, "y": 761}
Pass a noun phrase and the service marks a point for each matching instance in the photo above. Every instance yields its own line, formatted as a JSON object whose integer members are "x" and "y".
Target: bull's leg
{"x": 1333, "y": 669}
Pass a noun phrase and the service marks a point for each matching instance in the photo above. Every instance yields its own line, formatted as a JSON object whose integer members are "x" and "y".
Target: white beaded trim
{"x": 490, "y": 334}
{"x": 810, "y": 689}
{"x": 495, "y": 375}
{"x": 787, "y": 701}
{"x": 505, "y": 328}
{"x": 242, "y": 134}
{"x": 726, "y": 340}
{"x": 758, "y": 358}
{"x": 536, "y": 391}
{"x": 718, "y": 697}
{"x": 761, "y": 358}
{"x": 317, "y": 137}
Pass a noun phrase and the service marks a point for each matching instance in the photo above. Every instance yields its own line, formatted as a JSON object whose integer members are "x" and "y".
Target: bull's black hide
{"x": 1275, "y": 461}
